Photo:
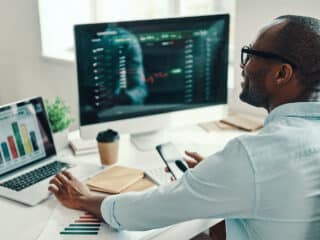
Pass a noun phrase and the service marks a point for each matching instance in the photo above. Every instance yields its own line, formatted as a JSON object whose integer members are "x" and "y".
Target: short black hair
{"x": 299, "y": 41}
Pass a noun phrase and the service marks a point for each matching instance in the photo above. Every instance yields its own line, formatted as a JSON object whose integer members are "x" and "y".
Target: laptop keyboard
{"x": 37, "y": 175}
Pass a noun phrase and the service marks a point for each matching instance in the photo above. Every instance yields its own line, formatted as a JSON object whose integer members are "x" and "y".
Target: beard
{"x": 253, "y": 95}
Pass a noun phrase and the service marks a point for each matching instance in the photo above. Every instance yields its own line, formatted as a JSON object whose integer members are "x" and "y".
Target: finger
{"x": 166, "y": 169}
{"x": 194, "y": 155}
{"x": 191, "y": 163}
{"x": 62, "y": 179}
{"x": 68, "y": 175}
{"x": 55, "y": 181}
{"x": 53, "y": 189}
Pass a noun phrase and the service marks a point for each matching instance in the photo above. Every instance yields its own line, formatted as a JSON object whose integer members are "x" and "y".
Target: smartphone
{"x": 172, "y": 159}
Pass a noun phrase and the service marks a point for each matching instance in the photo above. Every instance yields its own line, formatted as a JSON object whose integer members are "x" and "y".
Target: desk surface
{"x": 26, "y": 223}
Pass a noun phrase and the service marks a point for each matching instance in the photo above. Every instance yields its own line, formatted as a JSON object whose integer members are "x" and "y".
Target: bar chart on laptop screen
{"x": 20, "y": 136}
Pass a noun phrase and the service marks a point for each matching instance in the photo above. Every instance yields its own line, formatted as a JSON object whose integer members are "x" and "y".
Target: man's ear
{"x": 284, "y": 74}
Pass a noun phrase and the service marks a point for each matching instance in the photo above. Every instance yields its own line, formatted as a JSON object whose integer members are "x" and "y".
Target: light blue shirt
{"x": 266, "y": 186}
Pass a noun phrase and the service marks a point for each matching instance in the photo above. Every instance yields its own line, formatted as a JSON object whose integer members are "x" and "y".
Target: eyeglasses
{"x": 247, "y": 52}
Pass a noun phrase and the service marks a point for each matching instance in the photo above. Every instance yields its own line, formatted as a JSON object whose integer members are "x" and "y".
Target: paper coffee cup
{"x": 108, "y": 145}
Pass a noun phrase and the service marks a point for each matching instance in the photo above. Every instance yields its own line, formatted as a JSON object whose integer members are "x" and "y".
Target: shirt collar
{"x": 298, "y": 109}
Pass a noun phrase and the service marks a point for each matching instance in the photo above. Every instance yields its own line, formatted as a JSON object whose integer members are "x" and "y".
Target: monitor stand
{"x": 147, "y": 141}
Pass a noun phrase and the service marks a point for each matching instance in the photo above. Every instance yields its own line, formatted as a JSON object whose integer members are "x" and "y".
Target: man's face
{"x": 254, "y": 74}
{"x": 257, "y": 71}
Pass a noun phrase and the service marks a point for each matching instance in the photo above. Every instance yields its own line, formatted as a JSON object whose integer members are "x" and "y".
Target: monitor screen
{"x": 25, "y": 135}
{"x": 139, "y": 68}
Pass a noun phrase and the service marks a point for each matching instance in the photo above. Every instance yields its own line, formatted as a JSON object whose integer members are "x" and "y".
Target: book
{"x": 80, "y": 146}
{"x": 140, "y": 185}
{"x": 216, "y": 126}
{"x": 243, "y": 123}
{"x": 115, "y": 179}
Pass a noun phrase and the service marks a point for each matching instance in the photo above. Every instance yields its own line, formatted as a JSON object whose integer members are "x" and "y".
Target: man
{"x": 266, "y": 186}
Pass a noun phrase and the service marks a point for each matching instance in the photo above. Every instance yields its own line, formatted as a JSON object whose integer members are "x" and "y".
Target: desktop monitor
{"x": 141, "y": 76}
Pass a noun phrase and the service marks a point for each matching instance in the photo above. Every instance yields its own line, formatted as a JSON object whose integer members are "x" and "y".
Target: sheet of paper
{"x": 63, "y": 221}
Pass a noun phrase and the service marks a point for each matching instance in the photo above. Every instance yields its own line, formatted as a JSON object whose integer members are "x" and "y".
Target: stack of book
{"x": 80, "y": 146}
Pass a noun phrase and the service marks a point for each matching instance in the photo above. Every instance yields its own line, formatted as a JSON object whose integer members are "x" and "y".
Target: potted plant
{"x": 60, "y": 121}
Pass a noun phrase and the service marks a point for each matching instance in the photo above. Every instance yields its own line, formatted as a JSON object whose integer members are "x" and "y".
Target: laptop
{"x": 28, "y": 157}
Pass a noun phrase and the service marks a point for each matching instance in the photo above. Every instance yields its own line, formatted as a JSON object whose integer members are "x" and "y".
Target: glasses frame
{"x": 263, "y": 54}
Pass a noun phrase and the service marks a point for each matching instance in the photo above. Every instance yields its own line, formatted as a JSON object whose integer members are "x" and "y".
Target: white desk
{"x": 26, "y": 223}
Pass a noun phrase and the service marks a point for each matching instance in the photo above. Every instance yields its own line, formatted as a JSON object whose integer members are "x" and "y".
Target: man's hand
{"x": 195, "y": 159}
{"x": 69, "y": 190}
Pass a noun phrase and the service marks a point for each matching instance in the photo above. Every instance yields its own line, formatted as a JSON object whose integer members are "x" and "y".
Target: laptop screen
{"x": 25, "y": 135}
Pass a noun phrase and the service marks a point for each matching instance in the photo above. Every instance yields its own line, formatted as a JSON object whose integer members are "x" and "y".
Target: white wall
{"x": 24, "y": 73}
{"x": 251, "y": 16}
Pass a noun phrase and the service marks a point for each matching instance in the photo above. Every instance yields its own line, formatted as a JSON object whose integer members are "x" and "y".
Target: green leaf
{"x": 58, "y": 114}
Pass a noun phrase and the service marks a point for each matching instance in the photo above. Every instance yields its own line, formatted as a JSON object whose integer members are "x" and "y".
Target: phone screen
{"x": 170, "y": 154}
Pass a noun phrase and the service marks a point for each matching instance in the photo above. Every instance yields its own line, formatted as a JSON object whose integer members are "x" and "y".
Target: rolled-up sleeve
{"x": 221, "y": 186}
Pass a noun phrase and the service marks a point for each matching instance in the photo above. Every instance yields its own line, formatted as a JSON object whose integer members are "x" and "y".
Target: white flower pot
{"x": 61, "y": 139}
